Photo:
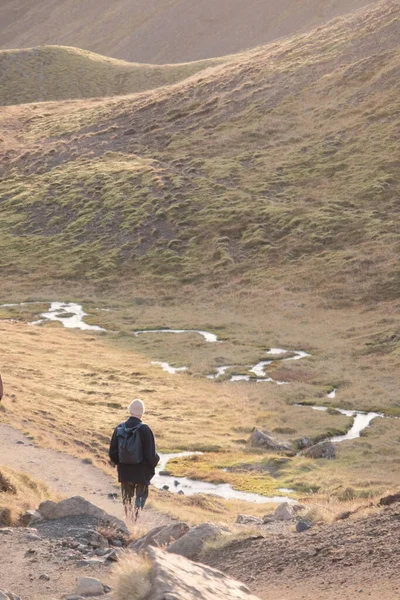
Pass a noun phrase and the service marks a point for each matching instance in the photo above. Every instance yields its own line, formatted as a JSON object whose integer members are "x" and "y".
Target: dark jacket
{"x": 144, "y": 471}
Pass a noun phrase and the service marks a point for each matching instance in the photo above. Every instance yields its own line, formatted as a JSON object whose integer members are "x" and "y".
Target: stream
{"x": 72, "y": 315}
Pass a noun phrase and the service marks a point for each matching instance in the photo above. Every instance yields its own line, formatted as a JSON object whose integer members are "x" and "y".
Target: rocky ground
{"x": 76, "y": 538}
{"x": 347, "y": 560}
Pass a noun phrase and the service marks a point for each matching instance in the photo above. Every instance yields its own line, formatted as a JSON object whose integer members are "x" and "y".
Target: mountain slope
{"x": 161, "y": 31}
{"x": 61, "y": 73}
{"x": 282, "y": 164}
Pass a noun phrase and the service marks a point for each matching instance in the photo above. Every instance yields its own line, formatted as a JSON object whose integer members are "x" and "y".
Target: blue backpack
{"x": 130, "y": 450}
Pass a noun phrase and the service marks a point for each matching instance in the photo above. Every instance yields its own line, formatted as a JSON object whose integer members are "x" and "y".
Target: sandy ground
{"x": 63, "y": 473}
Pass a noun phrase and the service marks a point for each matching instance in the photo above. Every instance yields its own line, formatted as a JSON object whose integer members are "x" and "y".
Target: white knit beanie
{"x": 136, "y": 408}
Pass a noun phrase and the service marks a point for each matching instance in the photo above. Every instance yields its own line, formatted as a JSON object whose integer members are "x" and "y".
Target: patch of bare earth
{"x": 356, "y": 559}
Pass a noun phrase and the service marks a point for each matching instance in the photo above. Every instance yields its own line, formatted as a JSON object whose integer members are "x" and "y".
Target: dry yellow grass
{"x": 131, "y": 578}
{"x": 18, "y": 493}
{"x": 69, "y": 389}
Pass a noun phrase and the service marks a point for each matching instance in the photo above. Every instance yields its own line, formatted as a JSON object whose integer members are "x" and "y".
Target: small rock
{"x": 304, "y": 443}
{"x": 165, "y": 487}
{"x": 30, "y": 517}
{"x": 44, "y": 577}
{"x": 20, "y": 442}
{"x": 113, "y": 496}
{"x": 181, "y": 493}
{"x": 389, "y": 500}
{"x": 5, "y": 530}
{"x": 248, "y": 520}
{"x": 117, "y": 543}
{"x": 74, "y": 597}
{"x": 112, "y": 556}
{"x": 302, "y": 526}
{"x": 32, "y": 537}
{"x": 176, "y": 483}
{"x": 90, "y": 562}
{"x": 89, "y": 587}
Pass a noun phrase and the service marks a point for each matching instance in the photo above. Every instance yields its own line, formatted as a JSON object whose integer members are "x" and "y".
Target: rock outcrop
{"x": 160, "y": 536}
{"x": 76, "y": 506}
{"x": 322, "y": 450}
{"x": 89, "y": 587}
{"x": 177, "y": 578}
{"x": 191, "y": 544}
{"x": 259, "y": 439}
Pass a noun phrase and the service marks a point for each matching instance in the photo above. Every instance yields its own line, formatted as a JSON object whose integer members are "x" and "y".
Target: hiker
{"x": 1, "y": 389}
{"x": 133, "y": 450}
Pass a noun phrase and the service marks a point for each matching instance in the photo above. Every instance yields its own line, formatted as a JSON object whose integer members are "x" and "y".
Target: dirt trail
{"x": 61, "y": 472}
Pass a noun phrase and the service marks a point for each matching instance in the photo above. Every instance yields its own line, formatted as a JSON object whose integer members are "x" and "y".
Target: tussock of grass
{"x": 131, "y": 578}
{"x": 18, "y": 493}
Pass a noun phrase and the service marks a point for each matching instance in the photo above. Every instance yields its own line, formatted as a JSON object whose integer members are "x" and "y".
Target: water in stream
{"x": 71, "y": 315}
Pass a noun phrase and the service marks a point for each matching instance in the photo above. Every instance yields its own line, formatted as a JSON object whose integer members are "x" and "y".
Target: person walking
{"x": 133, "y": 450}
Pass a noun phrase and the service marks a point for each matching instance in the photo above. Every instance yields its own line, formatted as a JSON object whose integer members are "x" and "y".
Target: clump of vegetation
{"x": 131, "y": 578}
{"x": 18, "y": 493}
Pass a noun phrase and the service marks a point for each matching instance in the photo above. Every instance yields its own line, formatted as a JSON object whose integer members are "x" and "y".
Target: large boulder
{"x": 6, "y": 595}
{"x": 322, "y": 450}
{"x": 76, "y": 506}
{"x": 191, "y": 544}
{"x": 284, "y": 512}
{"x": 259, "y": 439}
{"x": 160, "y": 536}
{"x": 177, "y": 578}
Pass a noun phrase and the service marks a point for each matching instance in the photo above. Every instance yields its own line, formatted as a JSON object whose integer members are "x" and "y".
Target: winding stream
{"x": 191, "y": 487}
{"x": 71, "y": 316}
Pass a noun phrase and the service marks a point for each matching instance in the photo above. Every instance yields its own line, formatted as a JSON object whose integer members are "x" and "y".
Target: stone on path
{"x": 191, "y": 544}
{"x": 160, "y": 536}
{"x": 177, "y": 578}
{"x": 76, "y": 506}
{"x": 31, "y": 517}
{"x": 302, "y": 526}
{"x": 89, "y": 587}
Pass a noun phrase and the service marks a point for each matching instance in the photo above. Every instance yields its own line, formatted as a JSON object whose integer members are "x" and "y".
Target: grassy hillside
{"x": 61, "y": 73}
{"x": 280, "y": 166}
{"x": 161, "y": 31}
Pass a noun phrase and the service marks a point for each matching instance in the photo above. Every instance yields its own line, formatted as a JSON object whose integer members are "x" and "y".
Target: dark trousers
{"x": 131, "y": 491}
